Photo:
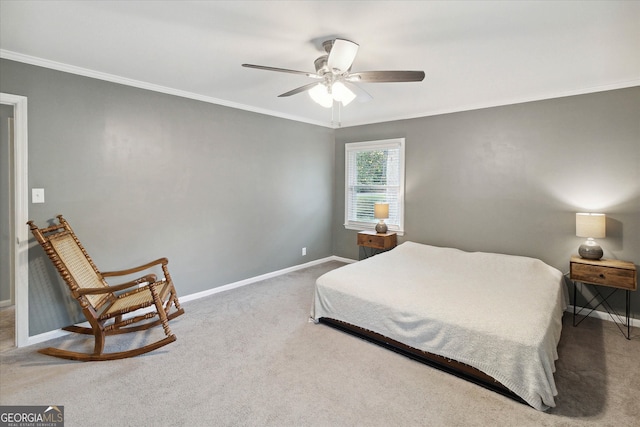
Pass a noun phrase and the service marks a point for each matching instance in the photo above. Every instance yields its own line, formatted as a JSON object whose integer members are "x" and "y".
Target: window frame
{"x": 393, "y": 143}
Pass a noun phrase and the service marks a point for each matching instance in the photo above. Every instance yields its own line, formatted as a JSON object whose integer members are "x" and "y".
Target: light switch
{"x": 37, "y": 195}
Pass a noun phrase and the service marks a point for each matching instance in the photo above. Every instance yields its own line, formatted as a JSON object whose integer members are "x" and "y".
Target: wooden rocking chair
{"x": 104, "y": 306}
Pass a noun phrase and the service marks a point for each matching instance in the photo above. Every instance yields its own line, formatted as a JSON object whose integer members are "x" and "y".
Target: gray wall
{"x": 225, "y": 194}
{"x": 510, "y": 179}
{"x": 6, "y": 114}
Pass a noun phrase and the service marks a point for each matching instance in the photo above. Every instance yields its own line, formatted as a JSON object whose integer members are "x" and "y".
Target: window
{"x": 374, "y": 172}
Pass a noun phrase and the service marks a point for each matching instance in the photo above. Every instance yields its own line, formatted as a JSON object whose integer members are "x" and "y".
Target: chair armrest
{"x": 149, "y": 278}
{"x": 159, "y": 261}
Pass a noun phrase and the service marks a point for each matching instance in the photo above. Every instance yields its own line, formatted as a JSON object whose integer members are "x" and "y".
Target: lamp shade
{"x": 341, "y": 93}
{"x": 381, "y": 210}
{"x": 591, "y": 225}
{"x": 320, "y": 94}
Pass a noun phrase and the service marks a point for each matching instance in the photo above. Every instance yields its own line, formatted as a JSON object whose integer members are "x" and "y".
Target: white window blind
{"x": 374, "y": 172}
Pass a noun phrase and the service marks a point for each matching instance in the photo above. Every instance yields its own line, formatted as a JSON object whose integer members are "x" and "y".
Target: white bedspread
{"x": 501, "y": 314}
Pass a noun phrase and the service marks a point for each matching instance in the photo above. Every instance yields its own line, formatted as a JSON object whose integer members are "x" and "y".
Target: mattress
{"x": 501, "y": 314}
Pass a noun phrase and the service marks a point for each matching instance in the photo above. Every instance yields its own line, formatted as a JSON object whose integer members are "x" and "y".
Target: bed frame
{"x": 453, "y": 367}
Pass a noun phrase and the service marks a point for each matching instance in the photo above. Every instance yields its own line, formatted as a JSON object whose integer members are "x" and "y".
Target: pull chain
{"x": 333, "y": 121}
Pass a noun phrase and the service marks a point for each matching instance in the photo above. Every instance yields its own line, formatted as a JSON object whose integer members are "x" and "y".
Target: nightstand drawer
{"x": 377, "y": 241}
{"x": 622, "y": 278}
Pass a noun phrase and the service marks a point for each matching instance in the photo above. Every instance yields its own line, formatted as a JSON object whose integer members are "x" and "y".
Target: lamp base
{"x": 590, "y": 250}
{"x": 381, "y": 227}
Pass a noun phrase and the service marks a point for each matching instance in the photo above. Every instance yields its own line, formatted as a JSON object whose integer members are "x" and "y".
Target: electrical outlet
{"x": 304, "y": 251}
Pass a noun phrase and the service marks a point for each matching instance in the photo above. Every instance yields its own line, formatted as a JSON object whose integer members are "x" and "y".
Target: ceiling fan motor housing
{"x": 327, "y": 45}
{"x": 321, "y": 65}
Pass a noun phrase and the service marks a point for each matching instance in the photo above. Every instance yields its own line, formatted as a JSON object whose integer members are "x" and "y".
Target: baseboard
{"x": 255, "y": 279}
{"x": 603, "y": 315}
{"x": 342, "y": 259}
{"x": 6, "y": 303}
{"x": 46, "y": 336}
{"x": 36, "y": 339}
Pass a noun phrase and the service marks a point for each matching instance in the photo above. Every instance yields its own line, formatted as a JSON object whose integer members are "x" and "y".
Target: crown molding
{"x": 59, "y": 66}
{"x": 513, "y": 101}
{"x": 72, "y": 69}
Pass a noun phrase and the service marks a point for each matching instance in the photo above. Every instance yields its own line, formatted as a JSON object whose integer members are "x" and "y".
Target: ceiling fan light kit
{"x": 342, "y": 94}
{"x": 326, "y": 95}
{"x": 320, "y": 94}
{"x": 336, "y": 81}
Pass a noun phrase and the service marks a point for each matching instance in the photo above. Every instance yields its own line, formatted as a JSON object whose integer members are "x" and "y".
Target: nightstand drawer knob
{"x": 601, "y": 276}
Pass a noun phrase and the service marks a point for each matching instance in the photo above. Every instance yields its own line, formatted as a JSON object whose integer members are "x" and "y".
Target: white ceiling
{"x": 475, "y": 54}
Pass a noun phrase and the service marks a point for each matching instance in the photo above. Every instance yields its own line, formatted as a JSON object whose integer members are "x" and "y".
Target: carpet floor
{"x": 250, "y": 357}
{"x": 7, "y": 330}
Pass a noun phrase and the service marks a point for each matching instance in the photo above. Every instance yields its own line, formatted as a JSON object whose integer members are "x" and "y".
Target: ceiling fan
{"x": 334, "y": 79}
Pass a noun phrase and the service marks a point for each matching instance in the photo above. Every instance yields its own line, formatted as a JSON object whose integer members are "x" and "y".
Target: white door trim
{"x": 21, "y": 231}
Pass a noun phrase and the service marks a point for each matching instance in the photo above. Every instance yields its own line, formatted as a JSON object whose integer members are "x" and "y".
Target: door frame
{"x": 21, "y": 216}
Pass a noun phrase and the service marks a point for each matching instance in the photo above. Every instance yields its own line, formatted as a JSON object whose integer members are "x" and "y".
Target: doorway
{"x": 18, "y": 240}
{"x": 7, "y": 300}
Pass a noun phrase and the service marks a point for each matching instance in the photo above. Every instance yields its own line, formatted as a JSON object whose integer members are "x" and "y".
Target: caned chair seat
{"x": 132, "y": 306}
{"x": 124, "y": 303}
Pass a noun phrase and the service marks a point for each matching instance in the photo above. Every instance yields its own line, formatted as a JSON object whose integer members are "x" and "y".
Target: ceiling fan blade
{"x": 342, "y": 54}
{"x": 299, "y": 89}
{"x": 281, "y": 70}
{"x": 386, "y": 76}
{"x": 361, "y": 94}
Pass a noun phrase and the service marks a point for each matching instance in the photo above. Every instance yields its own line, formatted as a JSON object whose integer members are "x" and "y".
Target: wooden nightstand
{"x": 605, "y": 272}
{"x": 376, "y": 242}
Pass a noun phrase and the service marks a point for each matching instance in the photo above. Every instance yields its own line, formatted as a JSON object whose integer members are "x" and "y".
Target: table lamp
{"x": 590, "y": 225}
{"x": 381, "y": 212}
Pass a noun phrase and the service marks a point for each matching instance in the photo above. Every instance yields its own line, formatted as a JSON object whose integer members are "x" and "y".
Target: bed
{"x": 492, "y": 318}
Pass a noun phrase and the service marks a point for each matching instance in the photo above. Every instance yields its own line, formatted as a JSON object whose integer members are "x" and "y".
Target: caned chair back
{"x": 72, "y": 261}
{"x": 78, "y": 266}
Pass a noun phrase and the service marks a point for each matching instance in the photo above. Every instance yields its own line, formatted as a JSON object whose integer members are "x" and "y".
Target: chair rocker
{"x": 105, "y": 306}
